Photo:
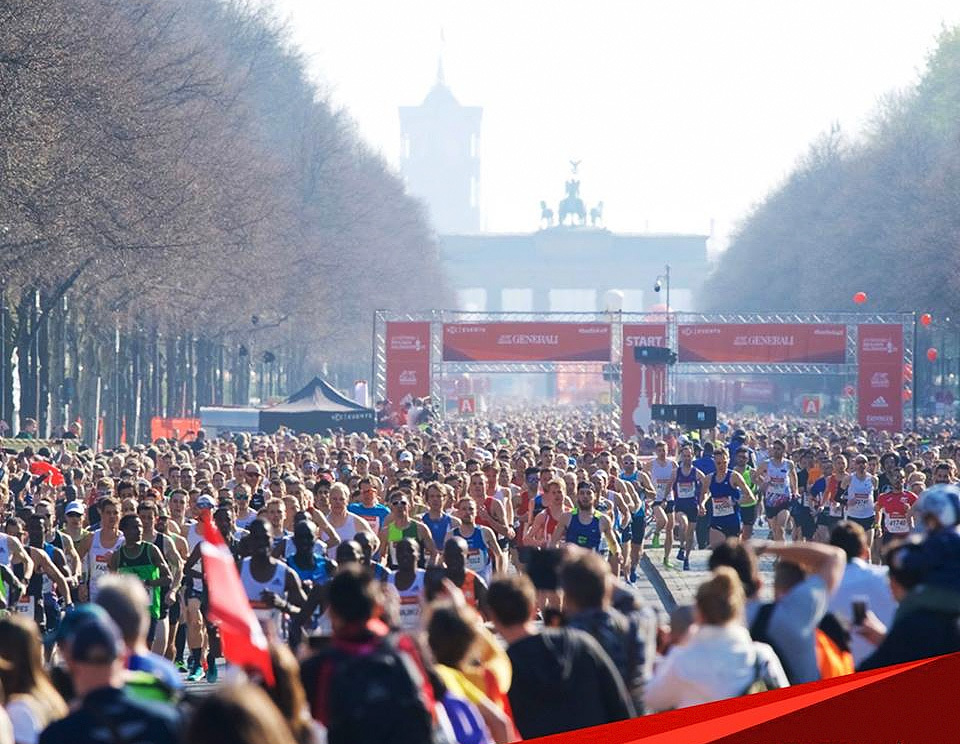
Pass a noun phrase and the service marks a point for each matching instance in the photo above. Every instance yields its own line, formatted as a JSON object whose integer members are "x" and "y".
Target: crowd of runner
{"x": 471, "y": 582}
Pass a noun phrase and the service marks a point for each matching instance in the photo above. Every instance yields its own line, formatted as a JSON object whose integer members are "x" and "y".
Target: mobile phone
{"x": 433, "y": 582}
{"x": 859, "y": 610}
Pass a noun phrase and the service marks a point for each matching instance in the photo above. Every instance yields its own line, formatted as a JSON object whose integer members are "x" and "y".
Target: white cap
{"x": 74, "y": 507}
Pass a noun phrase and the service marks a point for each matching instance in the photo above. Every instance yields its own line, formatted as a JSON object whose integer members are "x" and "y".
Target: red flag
{"x": 243, "y": 640}
{"x": 54, "y": 475}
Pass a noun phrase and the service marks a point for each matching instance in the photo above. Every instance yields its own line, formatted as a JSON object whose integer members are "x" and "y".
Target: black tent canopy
{"x": 317, "y": 408}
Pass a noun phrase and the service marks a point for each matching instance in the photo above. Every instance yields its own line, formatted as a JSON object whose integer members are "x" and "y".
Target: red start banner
{"x": 526, "y": 342}
{"x": 762, "y": 343}
{"x": 880, "y": 376}
{"x": 408, "y": 360}
{"x": 643, "y": 385}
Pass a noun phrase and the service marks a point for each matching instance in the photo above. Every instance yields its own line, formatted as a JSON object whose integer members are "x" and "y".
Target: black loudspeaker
{"x": 689, "y": 416}
{"x": 654, "y": 355}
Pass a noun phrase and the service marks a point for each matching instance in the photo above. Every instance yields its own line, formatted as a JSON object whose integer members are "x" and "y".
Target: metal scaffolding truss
{"x": 438, "y": 368}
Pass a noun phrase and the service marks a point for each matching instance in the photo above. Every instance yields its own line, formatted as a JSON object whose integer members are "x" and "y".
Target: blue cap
{"x": 572, "y": 462}
{"x": 90, "y": 636}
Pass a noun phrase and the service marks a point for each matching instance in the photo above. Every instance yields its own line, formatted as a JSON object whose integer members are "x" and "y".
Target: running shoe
{"x": 656, "y": 540}
{"x": 680, "y": 554}
{"x": 666, "y": 562}
{"x": 633, "y": 576}
{"x": 181, "y": 666}
{"x": 686, "y": 564}
{"x": 196, "y": 675}
{"x": 212, "y": 674}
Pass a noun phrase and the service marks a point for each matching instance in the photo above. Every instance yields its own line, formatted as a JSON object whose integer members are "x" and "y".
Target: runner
{"x": 584, "y": 527}
{"x": 369, "y": 507}
{"x": 689, "y": 493}
{"x": 777, "y": 477}
{"x": 272, "y": 587}
{"x": 407, "y": 580}
{"x": 895, "y": 509}
{"x": 402, "y": 526}
{"x": 725, "y": 488}
{"x": 439, "y": 522}
{"x": 831, "y": 510}
{"x": 748, "y": 504}
{"x": 545, "y": 523}
{"x": 860, "y": 488}
{"x": 96, "y": 549}
{"x": 484, "y": 556}
{"x": 159, "y": 634}
{"x": 314, "y": 572}
{"x": 344, "y": 522}
{"x": 662, "y": 472}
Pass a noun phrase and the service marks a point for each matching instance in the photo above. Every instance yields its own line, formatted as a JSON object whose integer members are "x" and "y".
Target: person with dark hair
{"x": 93, "y": 650}
{"x": 927, "y": 620}
{"x": 369, "y": 685}
{"x": 587, "y": 589}
{"x": 562, "y": 678}
{"x": 237, "y": 714}
{"x": 862, "y": 584}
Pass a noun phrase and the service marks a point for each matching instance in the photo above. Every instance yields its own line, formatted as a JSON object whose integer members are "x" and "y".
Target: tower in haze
{"x": 440, "y": 158}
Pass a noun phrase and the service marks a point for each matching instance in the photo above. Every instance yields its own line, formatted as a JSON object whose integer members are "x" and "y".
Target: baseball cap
{"x": 405, "y": 457}
{"x": 90, "y": 635}
{"x": 74, "y": 507}
{"x": 205, "y": 502}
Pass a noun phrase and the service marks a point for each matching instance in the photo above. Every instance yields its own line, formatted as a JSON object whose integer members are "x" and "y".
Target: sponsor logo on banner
{"x": 880, "y": 375}
{"x": 526, "y": 342}
{"x": 879, "y": 380}
{"x": 407, "y": 360}
{"x": 762, "y": 343}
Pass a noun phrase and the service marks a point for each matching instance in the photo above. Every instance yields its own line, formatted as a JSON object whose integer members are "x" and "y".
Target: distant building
{"x": 440, "y": 158}
{"x": 571, "y": 269}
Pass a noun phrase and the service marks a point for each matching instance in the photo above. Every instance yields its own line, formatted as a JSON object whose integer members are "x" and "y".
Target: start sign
{"x": 467, "y": 405}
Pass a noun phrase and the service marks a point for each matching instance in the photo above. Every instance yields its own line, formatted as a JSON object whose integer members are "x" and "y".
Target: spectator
{"x": 289, "y": 698}
{"x": 237, "y": 714}
{"x": 370, "y": 685}
{"x": 452, "y": 632}
{"x": 801, "y": 595}
{"x": 31, "y": 701}
{"x": 562, "y": 678}
{"x": 94, "y": 653}
{"x": 125, "y": 599}
{"x": 926, "y": 623}
{"x": 861, "y": 582}
{"x": 719, "y": 660}
{"x": 586, "y": 582}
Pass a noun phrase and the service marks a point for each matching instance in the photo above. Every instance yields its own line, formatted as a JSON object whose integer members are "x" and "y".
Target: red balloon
{"x": 932, "y": 354}
{"x": 926, "y": 319}
{"x": 860, "y": 297}
{"x": 907, "y": 395}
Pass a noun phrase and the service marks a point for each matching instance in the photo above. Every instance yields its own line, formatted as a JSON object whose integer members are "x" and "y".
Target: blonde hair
{"x": 341, "y": 489}
{"x": 720, "y": 599}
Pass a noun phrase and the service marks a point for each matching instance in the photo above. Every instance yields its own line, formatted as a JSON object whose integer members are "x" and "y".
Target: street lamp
{"x": 663, "y": 280}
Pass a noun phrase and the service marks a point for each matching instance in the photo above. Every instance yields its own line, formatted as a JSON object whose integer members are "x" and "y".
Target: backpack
{"x": 377, "y": 697}
{"x": 831, "y": 643}
{"x": 761, "y": 681}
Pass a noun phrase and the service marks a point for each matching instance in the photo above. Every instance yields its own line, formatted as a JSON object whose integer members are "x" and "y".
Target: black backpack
{"x": 378, "y": 698}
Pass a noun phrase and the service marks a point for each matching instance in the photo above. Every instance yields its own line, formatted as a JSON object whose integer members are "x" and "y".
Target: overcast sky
{"x": 682, "y": 111}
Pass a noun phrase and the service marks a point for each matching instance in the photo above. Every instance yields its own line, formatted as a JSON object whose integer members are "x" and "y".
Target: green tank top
{"x": 141, "y": 567}
{"x": 747, "y": 476}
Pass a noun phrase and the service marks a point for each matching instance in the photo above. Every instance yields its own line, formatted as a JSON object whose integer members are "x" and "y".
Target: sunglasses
{"x": 400, "y": 503}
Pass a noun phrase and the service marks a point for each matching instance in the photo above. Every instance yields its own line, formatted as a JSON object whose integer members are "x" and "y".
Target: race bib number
{"x": 373, "y": 520}
{"x": 723, "y": 508}
{"x": 409, "y": 612}
{"x": 662, "y": 490}
{"x": 898, "y": 525}
{"x": 686, "y": 490}
{"x": 26, "y": 606}
{"x": 476, "y": 560}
